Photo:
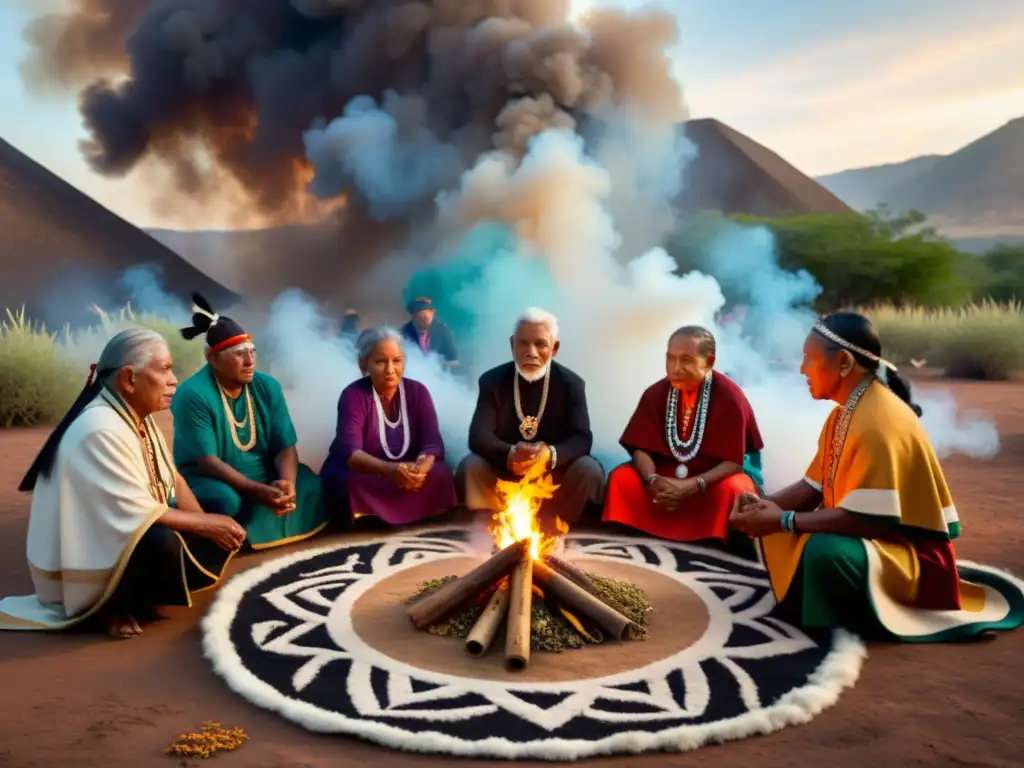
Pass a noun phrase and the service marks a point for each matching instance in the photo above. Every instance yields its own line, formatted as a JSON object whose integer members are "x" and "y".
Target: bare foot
{"x": 123, "y": 627}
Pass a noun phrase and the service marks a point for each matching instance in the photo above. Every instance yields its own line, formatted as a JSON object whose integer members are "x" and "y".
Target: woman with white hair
{"x": 114, "y": 531}
{"x": 387, "y": 458}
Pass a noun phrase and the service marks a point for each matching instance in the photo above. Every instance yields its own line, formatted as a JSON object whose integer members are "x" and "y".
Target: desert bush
{"x": 41, "y": 372}
{"x": 37, "y": 384}
{"x": 88, "y": 342}
{"x": 978, "y": 341}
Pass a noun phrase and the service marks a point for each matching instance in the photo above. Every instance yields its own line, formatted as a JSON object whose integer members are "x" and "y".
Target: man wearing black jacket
{"x": 428, "y": 333}
{"x": 531, "y": 410}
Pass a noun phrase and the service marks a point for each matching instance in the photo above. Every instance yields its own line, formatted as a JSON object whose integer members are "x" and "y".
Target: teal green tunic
{"x": 201, "y": 429}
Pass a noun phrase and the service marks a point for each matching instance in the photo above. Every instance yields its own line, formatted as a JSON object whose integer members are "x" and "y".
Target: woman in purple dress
{"x": 387, "y": 458}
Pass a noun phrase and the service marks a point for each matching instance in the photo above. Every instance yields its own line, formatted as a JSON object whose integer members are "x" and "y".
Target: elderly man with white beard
{"x": 529, "y": 410}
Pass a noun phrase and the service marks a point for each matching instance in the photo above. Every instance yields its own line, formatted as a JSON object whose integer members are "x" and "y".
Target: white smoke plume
{"x": 615, "y": 318}
{"x": 538, "y": 221}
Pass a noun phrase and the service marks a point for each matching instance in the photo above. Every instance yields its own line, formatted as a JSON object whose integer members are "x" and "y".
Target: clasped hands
{"x": 411, "y": 476}
{"x": 524, "y": 456}
{"x": 755, "y": 516}
{"x": 278, "y": 495}
{"x": 669, "y": 493}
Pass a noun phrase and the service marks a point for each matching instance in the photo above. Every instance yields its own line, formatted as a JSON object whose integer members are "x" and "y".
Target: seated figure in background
{"x": 865, "y": 540}
{"x": 114, "y": 531}
{"x": 350, "y": 324}
{"x": 387, "y": 458}
{"x": 235, "y": 443}
{"x": 428, "y": 333}
{"x": 692, "y": 439}
{"x": 532, "y": 410}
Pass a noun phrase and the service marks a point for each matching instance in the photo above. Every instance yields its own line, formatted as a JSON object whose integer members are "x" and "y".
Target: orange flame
{"x": 520, "y": 502}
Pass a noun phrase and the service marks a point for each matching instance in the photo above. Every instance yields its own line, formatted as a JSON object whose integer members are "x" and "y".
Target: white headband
{"x": 883, "y": 367}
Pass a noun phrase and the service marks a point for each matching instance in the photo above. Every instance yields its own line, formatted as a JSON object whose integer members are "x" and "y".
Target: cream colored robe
{"x": 88, "y": 516}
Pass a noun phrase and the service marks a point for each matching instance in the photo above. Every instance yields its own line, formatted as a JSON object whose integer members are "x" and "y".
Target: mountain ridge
{"x": 976, "y": 192}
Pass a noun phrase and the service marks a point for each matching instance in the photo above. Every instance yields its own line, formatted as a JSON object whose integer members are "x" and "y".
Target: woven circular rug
{"x": 322, "y": 637}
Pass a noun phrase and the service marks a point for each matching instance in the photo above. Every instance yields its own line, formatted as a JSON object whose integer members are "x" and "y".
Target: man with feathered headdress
{"x": 234, "y": 441}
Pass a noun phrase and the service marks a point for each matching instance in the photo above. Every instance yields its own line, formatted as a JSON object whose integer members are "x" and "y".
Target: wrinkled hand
{"x": 406, "y": 476}
{"x": 222, "y": 530}
{"x": 268, "y": 495}
{"x": 415, "y": 476}
{"x": 285, "y": 501}
{"x": 524, "y": 455}
{"x": 658, "y": 485}
{"x": 671, "y": 493}
{"x": 755, "y": 517}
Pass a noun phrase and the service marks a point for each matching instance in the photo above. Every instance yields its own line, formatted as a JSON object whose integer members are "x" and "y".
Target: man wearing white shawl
{"x": 113, "y": 530}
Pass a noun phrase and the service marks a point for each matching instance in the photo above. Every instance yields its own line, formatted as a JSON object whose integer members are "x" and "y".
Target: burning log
{"x": 520, "y": 603}
{"x": 486, "y": 628}
{"x": 447, "y": 599}
{"x": 579, "y": 600}
{"x": 571, "y": 607}
{"x": 580, "y": 579}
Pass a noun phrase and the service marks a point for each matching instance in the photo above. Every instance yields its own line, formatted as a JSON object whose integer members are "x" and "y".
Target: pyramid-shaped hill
{"x": 61, "y": 251}
{"x": 732, "y": 173}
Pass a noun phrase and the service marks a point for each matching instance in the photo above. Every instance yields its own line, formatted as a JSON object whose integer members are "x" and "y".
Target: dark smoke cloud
{"x": 249, "y": 87}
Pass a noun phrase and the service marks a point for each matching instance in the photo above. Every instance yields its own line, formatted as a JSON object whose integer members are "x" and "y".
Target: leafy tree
{"x": 1005, "y": 265}
{"x": 857, "y": 259}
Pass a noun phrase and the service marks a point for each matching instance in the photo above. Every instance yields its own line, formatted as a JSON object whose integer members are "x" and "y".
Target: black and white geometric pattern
{"x": 281, "y": 636}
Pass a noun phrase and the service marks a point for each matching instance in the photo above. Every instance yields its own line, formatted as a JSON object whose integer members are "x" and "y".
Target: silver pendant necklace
{"x": 685, "y": 450}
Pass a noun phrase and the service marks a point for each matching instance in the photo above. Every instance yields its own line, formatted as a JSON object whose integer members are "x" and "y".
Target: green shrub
{"x": 188, "y": 355}
{"x": 978, "y": 341}
{"x": 41, "y": 372}
{"x": 37, "y": 384}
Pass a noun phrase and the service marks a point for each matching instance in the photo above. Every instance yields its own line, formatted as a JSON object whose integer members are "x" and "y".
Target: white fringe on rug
{"x": 839, "y": 671}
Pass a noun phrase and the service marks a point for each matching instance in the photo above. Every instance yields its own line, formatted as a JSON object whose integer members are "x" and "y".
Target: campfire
{"x": 502, "y": 589}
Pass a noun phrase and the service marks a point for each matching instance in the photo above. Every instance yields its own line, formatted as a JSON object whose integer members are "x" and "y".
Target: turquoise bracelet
{"x": 789, "y": 522}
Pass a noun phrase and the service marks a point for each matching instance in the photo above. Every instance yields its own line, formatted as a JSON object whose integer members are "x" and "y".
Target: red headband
{"x": 240, "y": 339}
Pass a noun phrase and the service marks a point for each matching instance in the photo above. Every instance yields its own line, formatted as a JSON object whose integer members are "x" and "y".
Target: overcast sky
{"x": 828, "y": 85}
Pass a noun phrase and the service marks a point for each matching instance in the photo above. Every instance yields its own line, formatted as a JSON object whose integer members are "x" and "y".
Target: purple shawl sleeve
{"x": 423, "y": 414}
{"x": 353, "y": 413}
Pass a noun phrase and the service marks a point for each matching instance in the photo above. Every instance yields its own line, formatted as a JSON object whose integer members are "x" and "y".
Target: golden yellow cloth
{"x": 886, "y": 468}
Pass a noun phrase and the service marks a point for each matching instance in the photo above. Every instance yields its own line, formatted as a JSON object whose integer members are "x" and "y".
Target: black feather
{"x": 202, "y": 303}
{"x": 200, "y": 323}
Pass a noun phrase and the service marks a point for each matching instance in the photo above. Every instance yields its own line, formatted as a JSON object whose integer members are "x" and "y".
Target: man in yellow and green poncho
{"x": 234, "y": 441}
{"x": 865, "y": 540}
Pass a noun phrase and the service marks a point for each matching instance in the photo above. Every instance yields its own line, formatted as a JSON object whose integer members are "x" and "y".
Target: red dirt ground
{"x": 91, "y": 702}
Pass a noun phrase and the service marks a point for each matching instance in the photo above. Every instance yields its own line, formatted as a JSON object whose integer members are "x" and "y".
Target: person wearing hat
{"x": 428, "y": 333}
{"x": 350, "y": 324}
{"x": 234, "y": 441}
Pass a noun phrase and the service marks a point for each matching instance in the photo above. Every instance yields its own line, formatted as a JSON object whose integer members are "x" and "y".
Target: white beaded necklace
{"x": 403, "y": 420}
{"x": 686, "y": 450}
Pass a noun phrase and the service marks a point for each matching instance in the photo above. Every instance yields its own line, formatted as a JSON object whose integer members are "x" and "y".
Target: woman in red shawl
{"x": 693, "y": 439}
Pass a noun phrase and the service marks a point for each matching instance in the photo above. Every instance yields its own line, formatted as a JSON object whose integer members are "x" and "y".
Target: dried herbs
{"x": 627, "y": 597}
{"x": 205, "y": 743}
{"x": 550, "y": 629}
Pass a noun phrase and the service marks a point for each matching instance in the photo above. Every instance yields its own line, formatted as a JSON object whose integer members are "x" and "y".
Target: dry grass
{"x": 979, "y": 341}
{"x": 41, "y": 372}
